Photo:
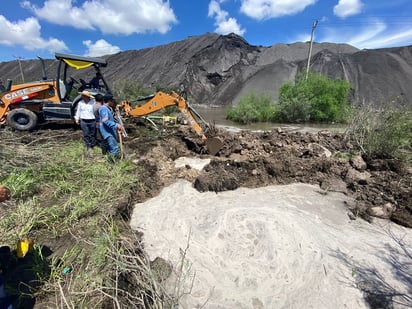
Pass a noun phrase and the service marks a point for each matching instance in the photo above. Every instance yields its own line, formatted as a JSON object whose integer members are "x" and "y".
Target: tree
{"x": 315, "y": 98}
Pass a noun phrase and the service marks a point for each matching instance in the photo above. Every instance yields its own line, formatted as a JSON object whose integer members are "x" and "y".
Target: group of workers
{"x": 95, "y": 114}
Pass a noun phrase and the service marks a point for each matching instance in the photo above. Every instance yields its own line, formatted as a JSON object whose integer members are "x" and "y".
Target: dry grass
{"x": 69, "y": 207}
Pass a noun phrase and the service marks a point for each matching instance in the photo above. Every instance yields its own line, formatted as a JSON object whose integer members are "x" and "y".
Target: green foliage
{"x": 384, "y": 133}
{"x": 315, "y": 98}
{"x": 21, "y": 182}
{"x": 67, "y": 202}
{"x": 294, "y": 105}
{"x": 252, "y": 108}
{"x": 71, "y": 188}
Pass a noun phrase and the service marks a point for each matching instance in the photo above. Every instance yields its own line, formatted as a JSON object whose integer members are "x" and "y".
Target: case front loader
{"x": 23, "y": 106}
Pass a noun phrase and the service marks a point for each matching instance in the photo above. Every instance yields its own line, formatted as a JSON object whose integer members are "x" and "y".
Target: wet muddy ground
{"x": 380, "y": 187}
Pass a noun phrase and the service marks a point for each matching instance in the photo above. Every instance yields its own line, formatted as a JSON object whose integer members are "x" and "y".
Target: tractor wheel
{"x": 22, "y": 119}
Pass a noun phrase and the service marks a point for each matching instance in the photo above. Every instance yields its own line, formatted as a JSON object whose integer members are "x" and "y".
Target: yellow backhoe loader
{"x": 25, "y": 105}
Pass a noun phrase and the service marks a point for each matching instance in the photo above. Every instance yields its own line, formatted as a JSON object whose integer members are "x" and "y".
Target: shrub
{"x": 253, "y": 108}
{"x": 315, "y": 98}
{"x": 294, "y": 105}
{"x": 383, "y": 133}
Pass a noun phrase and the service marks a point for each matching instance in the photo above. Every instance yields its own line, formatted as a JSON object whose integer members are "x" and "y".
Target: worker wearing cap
{"x": 87, "y": 120}
{"x": 109, "y": 128}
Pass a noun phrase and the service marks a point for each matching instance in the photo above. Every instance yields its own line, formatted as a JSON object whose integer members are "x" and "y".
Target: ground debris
{"x": 255, "y": 159}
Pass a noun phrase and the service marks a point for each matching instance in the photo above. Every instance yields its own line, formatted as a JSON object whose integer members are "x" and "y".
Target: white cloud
{"x": 366, "y": 35}
{"x": 99, "y": 48}
{"x": 61, "y": 12}
{"x": 378, "y": 37}
{"x": 265, "y": 9}
{"x": 109, "y": 16}
{"x": 26, "y": 33}
{"x": 224, "y": 24}
{"x": 346, "y": 8}
{"x": 395, "y": 39}
{"x": 376, "y": 34}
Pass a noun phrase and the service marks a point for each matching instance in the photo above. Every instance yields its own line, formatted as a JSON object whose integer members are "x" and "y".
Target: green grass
{"x": 65, "y": 200}
{"x": 78, "y": 186}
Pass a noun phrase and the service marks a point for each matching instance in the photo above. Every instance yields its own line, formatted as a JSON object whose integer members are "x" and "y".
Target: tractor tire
{"x": 22, "y": 119}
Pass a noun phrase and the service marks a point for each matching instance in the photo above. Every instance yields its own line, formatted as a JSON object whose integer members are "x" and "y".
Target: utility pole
{"x": 21, "y": 70}
{"x": 315, "y": 23}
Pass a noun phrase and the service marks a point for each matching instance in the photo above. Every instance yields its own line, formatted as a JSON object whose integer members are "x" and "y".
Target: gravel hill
{"x": 219, "y": 69}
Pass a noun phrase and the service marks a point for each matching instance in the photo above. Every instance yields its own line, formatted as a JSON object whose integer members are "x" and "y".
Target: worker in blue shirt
{"x": 109, "y": 128}
{"x": 95, "y": 81}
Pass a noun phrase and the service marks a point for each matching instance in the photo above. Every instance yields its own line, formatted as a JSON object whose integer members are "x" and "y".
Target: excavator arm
{"x": 161, "y": 100}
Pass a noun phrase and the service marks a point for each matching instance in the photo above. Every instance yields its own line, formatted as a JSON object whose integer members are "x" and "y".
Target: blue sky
{"x": 31, "y": 28}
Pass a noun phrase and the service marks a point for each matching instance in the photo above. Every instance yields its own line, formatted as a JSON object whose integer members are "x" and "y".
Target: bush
{"x": 384, "y": 133}
{"x": 294, "y": 105}
{"x": 315, "y": 98}
{"x": 253, "y": 108}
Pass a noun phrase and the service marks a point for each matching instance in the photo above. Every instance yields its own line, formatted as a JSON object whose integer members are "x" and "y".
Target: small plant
{"x": 383, "y": 133}
{"x": 21, "y": 183}
{"x": 315, "y": 99}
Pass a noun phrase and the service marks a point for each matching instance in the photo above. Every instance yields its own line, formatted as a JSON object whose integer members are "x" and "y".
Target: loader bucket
{"x": 213, "y": 145}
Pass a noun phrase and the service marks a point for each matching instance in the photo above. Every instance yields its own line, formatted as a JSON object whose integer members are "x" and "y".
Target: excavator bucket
{"x": 213, "y": 145}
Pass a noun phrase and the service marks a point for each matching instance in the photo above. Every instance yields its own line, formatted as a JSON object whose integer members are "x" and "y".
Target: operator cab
{"x": 68, "y": 85}
{"x": 67, "y": 69}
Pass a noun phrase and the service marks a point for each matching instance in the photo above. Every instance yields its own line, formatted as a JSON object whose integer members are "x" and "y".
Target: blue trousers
{"x": 110, "y": 146}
